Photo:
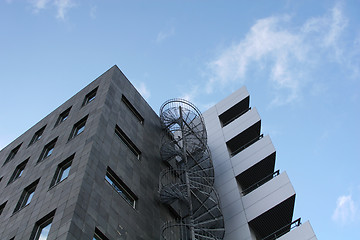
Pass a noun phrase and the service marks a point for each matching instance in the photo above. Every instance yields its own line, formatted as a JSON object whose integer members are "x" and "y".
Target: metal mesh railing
{"x": 285, "y": 229}
{"x": 260, "y": 182}
{"x": 191, "y": 177}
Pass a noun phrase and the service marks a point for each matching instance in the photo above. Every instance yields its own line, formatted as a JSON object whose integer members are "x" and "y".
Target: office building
{"x": 104, "y": 165}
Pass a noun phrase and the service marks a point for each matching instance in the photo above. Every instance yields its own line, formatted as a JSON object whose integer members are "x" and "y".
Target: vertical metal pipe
{"x": 187, "y": 180}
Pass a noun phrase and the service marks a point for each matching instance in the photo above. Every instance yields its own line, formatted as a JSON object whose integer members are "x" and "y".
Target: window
{"x": 18, "y": 171}
{"x": 26, "y": 196}
{"x": 12, "y": 154}
{"x": 37, "y": 135}
{"x": 90, "y": 97}
{"x": 99, "y": 235}
{"x": 62, "y": 171}
{"x": 47, "y": 151}
{"x": 42, "y": 227}
{"x": 63, "y": 116}
{"x": 78, "y": 128}
{"x": 2, "y": 206}
{"x": 132, "y": 109}
{"x": 120, "y": 187}
{"x": 127, "y": 142}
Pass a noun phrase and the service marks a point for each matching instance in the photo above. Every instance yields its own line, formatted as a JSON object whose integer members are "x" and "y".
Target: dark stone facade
{"x": 85, "y": 200}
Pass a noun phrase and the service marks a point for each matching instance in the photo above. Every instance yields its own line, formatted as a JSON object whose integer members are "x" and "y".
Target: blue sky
{"x": 300, "y": 61}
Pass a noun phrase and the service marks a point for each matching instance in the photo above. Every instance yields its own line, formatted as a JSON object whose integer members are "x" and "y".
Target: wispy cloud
{"x": 345, "y": 211}
{"x": 143, "y": 90}
{"x": 39, "y": 4}
{"x": 165, "y": 34}
{"x": 62, "y": 7}
{"x": 287, "y": 54}
{"x": 93, "y": 10}
{"x": 191, "y": 94}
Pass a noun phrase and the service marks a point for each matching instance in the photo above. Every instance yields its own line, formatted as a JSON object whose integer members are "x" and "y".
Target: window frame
{"x": 60, "y": 170}
{"x": 28, "y": 193}
{"x": 90, "y": 97}
{"x": 2, "y": 207}
{"x": 41, "y": 227}
{"x": 48, "y": 148}
{"x": 63, "y": 116}
{"x": 18, "y": 171}
{"x": 77, "y": 126}
{"x": 37, "y": 135}
{"x": 12, "y": 154}
{"x": 41, "y": 224}
{"x": 120, "y": 187}
{"x": 125, "y": 139}
{"x": 132, "y": 109}
{"x": 98, "y": 235}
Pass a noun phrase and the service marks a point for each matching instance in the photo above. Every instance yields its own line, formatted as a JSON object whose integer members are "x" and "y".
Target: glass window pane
{"x": 65, "y": 173}
{"x": 91, "y": 98}
{"x": 29, "y": 198}
{"x": 119, "y": 189}
{"x": 48, "y": 153}
{"x": 20, "y": 173}
{"x": 44, "y": 232}
{"x": 109, "y": 180}
{"x": 80, "y": 130}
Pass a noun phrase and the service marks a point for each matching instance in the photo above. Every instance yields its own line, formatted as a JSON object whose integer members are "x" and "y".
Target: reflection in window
{"x": 12, "y": 154}
{"x": 26, "y": 196}
{"x": 120, "y": 187}
{"x": 90, "y": 97}
{"x": 37, "y": 136}
{"x": 18, "y": 171}
{"x": 62, "y": 171}
{"x": 63, "y": 116}
{"x": 78, "y": 128}
{"x": 48, "y": 150}
{"x": 42, "y": 227}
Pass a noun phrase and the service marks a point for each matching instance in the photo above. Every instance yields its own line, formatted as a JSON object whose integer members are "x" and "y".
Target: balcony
{"x": 270, "y": 205}
{"x": 244, "y": 139}
{"x": 235, "y": 111}
{"x": 256, "y": 171}
{"x": 260, "y": 183}
{"x": 303, "y": 231}
{"x": 283, "y": 230}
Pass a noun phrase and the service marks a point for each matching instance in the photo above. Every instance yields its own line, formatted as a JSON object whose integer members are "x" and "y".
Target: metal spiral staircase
{"x": 190, "y": 180}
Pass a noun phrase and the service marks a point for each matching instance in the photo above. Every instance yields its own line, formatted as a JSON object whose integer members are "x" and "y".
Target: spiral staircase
{"x": 190, "y": 179}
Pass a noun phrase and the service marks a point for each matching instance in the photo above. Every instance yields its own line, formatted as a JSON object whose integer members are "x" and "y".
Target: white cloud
{"x": 62, "y": 7}
{"x": 267, "y": 44}
{"x": 345, "y": 210}
{"x": 191, "y": 94}
{"x": 143, "y": 90}
{"x": 287, "y": 54}
{"x": 328, "y": 30}
{"x": 165, "y": 34}
{"x": 39, "y": 4}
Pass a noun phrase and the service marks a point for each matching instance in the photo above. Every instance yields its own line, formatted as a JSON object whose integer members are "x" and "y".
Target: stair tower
{"x": 189, "y": 181}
